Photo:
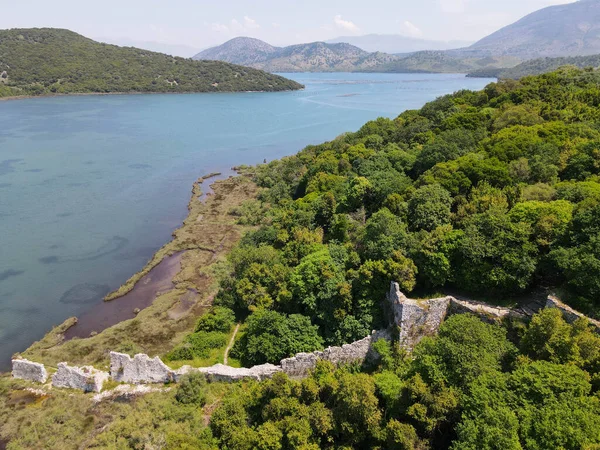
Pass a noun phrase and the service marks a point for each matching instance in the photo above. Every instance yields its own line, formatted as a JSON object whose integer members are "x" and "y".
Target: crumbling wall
{"x": 28, "y": 370}
{"x": 139, "y": 369}
{"x": 85, "y": 378}
{"x": 300, "y": 365}
{"x": 486, "y": 312}
{"x": 569, "y": 313}
{"x": 416, "y": 318}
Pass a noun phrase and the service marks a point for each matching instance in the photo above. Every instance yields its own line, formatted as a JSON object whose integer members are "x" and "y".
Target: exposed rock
{"x": 28, "y": 370}
{"x": 139, "y": 369}
{"x": 85, "y": 378}
{"x": 416, "y": 318}
{"x": 569, "y": 313}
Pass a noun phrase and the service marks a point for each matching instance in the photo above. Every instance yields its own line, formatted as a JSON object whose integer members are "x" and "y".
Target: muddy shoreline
{"x": 106, "y": 314}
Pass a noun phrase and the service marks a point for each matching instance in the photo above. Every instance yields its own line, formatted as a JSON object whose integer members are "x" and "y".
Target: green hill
{"x": 54, "y": 61}
{"x": 539, "y": 66}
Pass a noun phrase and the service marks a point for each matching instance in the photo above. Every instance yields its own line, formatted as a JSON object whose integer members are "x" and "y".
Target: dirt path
{"x": 231, "y": 341}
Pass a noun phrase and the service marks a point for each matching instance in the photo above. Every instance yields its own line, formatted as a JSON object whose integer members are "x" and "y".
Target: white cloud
{"x": 345, "y": 24}
{"x": 250, "y": 24}
{"x": 410, "y": 29}
{"x": 235, "y": 26}
{"x": 219, "y": 28}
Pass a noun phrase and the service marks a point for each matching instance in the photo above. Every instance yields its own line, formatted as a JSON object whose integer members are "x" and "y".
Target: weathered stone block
{"x": 139, "y": 369}
{"x": 28, "y": 370}
{"x": 84, "y": 378}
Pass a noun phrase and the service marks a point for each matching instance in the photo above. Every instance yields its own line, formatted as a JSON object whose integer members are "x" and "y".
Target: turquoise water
{"x": 91, "y": 186}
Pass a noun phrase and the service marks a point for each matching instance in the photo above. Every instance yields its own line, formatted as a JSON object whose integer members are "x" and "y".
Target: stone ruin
{"x": 24, "y": 369}
{"x": 84, "y": 378}
{"x": 414, "y": 319}
{"x": 419, "y": 318}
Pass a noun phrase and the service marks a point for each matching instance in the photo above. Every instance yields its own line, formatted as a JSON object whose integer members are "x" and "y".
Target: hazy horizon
{"x": 186, "y": 26}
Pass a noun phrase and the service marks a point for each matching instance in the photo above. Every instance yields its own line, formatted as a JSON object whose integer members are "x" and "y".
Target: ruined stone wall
{"x": 414, "y": 319}
{"x": 28, "y": 370}
{"x": 569, "y": 313}
{"x": 86, "y": 379}
{"x": 299, "y": 365}
{"x": 419, "y": 318}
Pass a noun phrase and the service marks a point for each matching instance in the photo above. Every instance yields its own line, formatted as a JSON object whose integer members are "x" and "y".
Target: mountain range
{"x": 396, "y": 43}
{"x": 341, "y": 57}
{"x": 556, "y": 31}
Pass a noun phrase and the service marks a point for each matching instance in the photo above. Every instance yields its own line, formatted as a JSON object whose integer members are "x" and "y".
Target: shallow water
{"x": 91, "y": 186}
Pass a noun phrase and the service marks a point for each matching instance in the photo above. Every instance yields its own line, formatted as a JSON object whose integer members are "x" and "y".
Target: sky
{"x": 188, "y": 25}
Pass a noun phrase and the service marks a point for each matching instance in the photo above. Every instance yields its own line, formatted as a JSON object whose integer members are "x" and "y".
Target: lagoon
{"x": 92, "y": 186}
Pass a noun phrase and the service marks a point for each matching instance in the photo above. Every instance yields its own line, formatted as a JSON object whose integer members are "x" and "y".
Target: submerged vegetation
{"x": 40, "y": 61}
{"x": 495, "y": 194}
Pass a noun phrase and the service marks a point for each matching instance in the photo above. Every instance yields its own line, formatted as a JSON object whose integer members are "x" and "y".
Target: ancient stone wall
{"x": 85, "y": 378}
{"x": 28, "y": 370}
{"x": 414, "y": 319}
{"x": 299, "y": 365}
{"x": 569, "y": 313}
{"x": 139, "y": 369}
{"x": 419, "y": 318}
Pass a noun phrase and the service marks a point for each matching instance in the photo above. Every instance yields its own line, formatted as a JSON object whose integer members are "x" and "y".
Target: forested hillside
{"x": 539, "y": 66}
{"x": 52, "y": 61}
{"x": 494, "y": 194}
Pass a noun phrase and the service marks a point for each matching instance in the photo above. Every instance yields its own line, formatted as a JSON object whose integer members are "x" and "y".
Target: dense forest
{"x": 52, "y": 61}
{"x": 493, "y": 194}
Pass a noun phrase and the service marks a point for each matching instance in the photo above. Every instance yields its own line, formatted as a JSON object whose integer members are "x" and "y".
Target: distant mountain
{"x": 396, "y": 43}
{"x": 53, "y": 61}
{"x": 184, "y": 51}
{"x": 241, "y": 50}
{"x": 444, "y": 62}
{"x": 563, "y": 30}
{"x": 539, "y": 66}
{"x": 313, "y": 57}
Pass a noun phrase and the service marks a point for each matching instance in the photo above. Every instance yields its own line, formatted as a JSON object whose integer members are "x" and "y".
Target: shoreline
{"x": 94, "y": 94}
{"x": 164, "y": 251}
{"x": 208, "y": 233}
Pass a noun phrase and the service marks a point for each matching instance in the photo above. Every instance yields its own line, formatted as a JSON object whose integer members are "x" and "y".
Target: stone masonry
{"x": 85, "y": 378}
{"x": 414, "y": 318}
{"x": 30, "y": 371}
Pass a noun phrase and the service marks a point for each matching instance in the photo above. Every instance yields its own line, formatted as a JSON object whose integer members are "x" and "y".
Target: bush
{"x": 197, "y": 345}
{"x": 219, "y": 319}
{"x": 192, "y": 389}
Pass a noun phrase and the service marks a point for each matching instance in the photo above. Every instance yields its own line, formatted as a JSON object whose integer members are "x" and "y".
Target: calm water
{"x": 91, "y": 186}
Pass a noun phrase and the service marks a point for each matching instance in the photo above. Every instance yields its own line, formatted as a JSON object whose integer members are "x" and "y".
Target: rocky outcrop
{"x": 85, "y": 378}
{"x": 139, "y": 369}
{"x": 300, "y": 365}
{"x": 569, "y": 313}
{"x": 28, "y": 370}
